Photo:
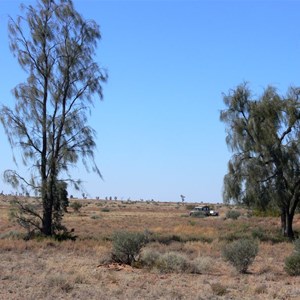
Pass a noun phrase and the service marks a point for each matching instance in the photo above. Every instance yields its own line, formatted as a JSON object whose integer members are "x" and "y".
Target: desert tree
{"x": 264, "y": 135}
{"x": 55, "y": 46}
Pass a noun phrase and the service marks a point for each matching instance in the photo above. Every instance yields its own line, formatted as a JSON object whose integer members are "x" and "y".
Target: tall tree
{"x": 56, "y": 47}
{"x": 264, "y": 135}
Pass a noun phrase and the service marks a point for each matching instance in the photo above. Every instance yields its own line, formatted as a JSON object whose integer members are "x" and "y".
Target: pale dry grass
{"x": 48, "y": 269}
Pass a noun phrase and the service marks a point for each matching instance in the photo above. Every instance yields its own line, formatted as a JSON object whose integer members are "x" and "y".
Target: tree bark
{"x": 283, "y": 221}
{"x": 289, "y": 225}
{"x": 47, "y": 209}
{"x": 47, "y": 217}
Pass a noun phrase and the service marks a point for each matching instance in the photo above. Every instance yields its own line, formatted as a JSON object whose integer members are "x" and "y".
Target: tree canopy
{"x": 264, "y": 135}
{"x": 55, "y": 46}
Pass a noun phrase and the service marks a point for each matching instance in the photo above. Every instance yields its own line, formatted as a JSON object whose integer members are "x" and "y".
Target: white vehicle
{"x": 205, "y": 209}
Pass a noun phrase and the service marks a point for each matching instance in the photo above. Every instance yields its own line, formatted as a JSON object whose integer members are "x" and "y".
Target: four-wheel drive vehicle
{"x": 205, "y": 210}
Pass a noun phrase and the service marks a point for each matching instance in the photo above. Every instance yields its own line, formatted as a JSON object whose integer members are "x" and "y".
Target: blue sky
{"x": 158, "y": 129}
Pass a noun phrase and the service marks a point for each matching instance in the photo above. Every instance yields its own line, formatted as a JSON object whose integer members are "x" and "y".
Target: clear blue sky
{"x": 158, "y": 129}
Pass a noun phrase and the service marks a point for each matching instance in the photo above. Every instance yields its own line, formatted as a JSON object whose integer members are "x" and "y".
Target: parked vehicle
{"x": 205, "y": 209}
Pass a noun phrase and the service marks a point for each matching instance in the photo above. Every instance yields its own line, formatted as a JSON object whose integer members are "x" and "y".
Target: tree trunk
{"x": 47, "y": 218}
{"x": 287, "y": 223}
{"x": 47, "y": 210}
{"x": 283, "y": 221}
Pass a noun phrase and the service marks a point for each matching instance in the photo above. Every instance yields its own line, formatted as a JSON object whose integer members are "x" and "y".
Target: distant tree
{"x": 182, "y": 198}
{"x": 55, "y": 46}
{"x": 264, "y": 134}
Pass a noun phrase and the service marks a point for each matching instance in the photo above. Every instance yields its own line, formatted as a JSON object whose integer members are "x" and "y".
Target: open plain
{"x": 82, "y": 269}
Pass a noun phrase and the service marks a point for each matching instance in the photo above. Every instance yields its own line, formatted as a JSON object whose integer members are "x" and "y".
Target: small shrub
{"x": 105, "y": 209}
{"x": 189, "y": 206}
{"x": 201, "y": 265}
{"x": 95, "y": 217}
{"x": 261, "y": 289}
{"x": 297, "y": 245}
{"x": 218, "y": 289}
{"x": 60, "y": 282}
{"x": 233, "y": 214}
{"x": 127, "y": 246}
{"x": 173, "y": 262}
{"x": 149, "y": 258}
{"x": 65, "y": 235}
{"x": 240, "y": 253}
{"x": 259, "y": 233}
{"x": 199, "y": 214}
{"x": 76, "y": 206}
{"x": 292, "y": 264}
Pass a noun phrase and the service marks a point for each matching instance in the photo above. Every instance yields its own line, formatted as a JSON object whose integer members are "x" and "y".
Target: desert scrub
{"x": 12, "y": 235}
{"x": 201, "y": 265}
{"x": 297, "y": 245}
{"x": 198, "y": 214}
{"x": 127, "y": 246}
{"x": 76, "y": 206}
{"x": 240, "y": 253}
{"x": 265, "y": 236}
{"x": 292, "y": 262}
{"x": 149, "y": 257}
{"x": 105, "y": 209}
{"x": 173, "y": 262}
{"x": 233, "y": 214}
{"x": 218, "y": 289}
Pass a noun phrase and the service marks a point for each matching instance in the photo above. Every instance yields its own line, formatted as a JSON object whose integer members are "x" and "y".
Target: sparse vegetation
{"x": 173, "y": 262}
{"x": 76, "y": 206}
{"x": 172, "y": 252}
{"x": 127, "y": 246}
{"x": 198, "y": 214}
{"x": 105, "y": 209}
{"x": 292, "y": 262}
{"x": 240, "y": 253}
{"x": 233, "y": 214}
{"x": 218, "y": 289}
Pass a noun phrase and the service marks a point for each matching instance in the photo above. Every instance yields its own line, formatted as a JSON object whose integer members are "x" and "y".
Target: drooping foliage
{"x": 264, "y": 135}
{"x": 55, "y": 46}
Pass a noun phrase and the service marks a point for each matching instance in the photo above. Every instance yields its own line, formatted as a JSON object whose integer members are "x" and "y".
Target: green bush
{"x": 105, "y": 209}
{"x": 264, "y": 236}
{"x": 76, "y": 206}
{"x": 127, "y": 246}
{"x": 292, "y": 264}
{"x": 240, "y": 253}
{"x": 233, "y": 214}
